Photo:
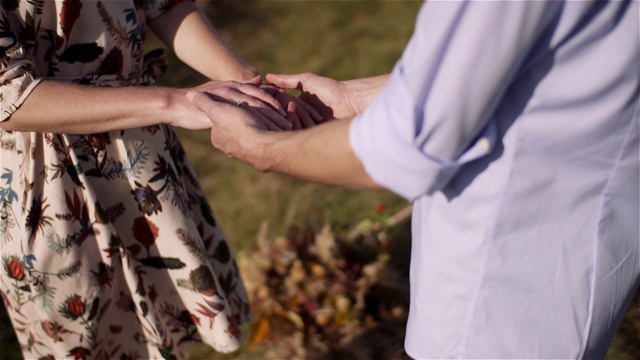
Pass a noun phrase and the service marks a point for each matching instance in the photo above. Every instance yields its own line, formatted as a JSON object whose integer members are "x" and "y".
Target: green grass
{"x": 339, "y": 39}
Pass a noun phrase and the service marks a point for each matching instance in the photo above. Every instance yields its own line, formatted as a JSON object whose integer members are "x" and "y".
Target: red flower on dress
{"x": 15, "y": 268}
{"x": 79, "y": 353}
{"x": 99, "y": 141}
{"x": 73, "y": 307}
{"x": 145, "y": 231}
{"x": 380, "y": 207}
{"x": 69, "y": 14}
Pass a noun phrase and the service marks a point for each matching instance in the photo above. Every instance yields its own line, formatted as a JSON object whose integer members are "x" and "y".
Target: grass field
{"x": 340, "y": 39}
{"x": 289, "y": 36}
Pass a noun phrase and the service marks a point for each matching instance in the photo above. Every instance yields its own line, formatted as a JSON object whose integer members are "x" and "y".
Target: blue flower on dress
{"x": 147, "y": 199}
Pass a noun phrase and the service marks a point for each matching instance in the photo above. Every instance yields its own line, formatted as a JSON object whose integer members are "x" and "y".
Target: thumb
{"x": 285, "y": 81}
{"x": 204, "y": 103}
{"x": 257, "y": 80}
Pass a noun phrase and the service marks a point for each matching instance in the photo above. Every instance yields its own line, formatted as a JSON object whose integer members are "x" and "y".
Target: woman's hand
{"x": 260, "y": 103}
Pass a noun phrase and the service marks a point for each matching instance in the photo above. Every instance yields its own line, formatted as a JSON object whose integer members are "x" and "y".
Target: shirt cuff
{"x": 384, "y": 136}
{"x": 382, "y": 143}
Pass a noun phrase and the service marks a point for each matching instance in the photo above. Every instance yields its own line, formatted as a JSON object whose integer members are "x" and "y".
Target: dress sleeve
{"x": 17, "y": 78}
{"x": 435, "y": 113}
{"x": 155, "y": 8}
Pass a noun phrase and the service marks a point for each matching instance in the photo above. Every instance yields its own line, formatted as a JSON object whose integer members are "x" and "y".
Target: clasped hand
{"x": 272, "y": 107}
{"x": 242, "y": 133}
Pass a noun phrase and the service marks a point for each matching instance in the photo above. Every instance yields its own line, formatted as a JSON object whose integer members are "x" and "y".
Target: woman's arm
{"x": 190, "y": 35}
{"x": 78, "y": 109}
{"x": 71, "y": 108}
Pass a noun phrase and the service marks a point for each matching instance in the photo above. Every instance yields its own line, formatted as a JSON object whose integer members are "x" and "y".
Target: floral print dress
{"x": 109, "y": 247}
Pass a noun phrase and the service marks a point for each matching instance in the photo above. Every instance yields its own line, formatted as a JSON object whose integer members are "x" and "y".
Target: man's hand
{"x": 326, "y": 95}
{"x": 332, "y": 98}
{"x": 321, "y": 154}
{"x": 235, "y": 131}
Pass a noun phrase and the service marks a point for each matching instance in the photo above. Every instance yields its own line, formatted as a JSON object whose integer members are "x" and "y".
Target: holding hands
{"x": 321, "y": 153}
{"x": 241, "y": 131}
{"x": 270, "y": 105}
{"x": 328, "y": 96}
{"x": 262, "y": 105}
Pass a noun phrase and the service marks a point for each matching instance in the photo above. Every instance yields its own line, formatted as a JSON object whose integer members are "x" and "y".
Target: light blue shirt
{"x": 513, "y": 126}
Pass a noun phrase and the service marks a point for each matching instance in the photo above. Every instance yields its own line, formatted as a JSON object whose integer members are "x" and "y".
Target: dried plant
{"x": 316, "y": 295}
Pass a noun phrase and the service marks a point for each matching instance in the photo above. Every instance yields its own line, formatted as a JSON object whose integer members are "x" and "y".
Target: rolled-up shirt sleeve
{"x": 17, "y": 78}
{"x": 435, "y": 113}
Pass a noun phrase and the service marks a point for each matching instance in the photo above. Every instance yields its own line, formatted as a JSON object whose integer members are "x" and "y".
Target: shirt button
{"x": 484, "y": 144}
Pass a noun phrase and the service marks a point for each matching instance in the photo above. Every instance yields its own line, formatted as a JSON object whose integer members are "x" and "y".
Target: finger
{"x": 263, "y": 96}
{"x": 310, "y": 110}
{"x": 270, "y": 89}
{"x": 280, "y": 121}
{"x": 293, "y": 117}
{"x": 286, "y": 100}
{"x": 285, "y": 81}
{"x": 257, "y": 80}
{"x": 305, "y": 119}
{"x": 202, "y": 102}
{"x": 263, "y": 109}
{"x": 270, "y": 125}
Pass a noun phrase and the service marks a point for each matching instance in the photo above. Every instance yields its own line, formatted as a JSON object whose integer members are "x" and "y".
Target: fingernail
{"x": 190, "y": 95}
{"x": 288, "y": 125}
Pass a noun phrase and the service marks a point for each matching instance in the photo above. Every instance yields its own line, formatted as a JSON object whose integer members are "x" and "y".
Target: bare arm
{"x": 190, "y": 35}
{"x": 78, "y": 109}
{"x": 322, "y": 154}
{"x": 195, "y": 41}
{"x": 72, "y": 108}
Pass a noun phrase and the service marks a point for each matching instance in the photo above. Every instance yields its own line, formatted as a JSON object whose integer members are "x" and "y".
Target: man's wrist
{"x": 266, "y": 154}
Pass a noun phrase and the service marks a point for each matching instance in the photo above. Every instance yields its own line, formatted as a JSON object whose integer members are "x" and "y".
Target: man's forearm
{"x": 322, "y": 154}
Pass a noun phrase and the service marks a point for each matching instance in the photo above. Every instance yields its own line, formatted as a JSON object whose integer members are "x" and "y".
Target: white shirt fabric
{"x": 514, "y": 127}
